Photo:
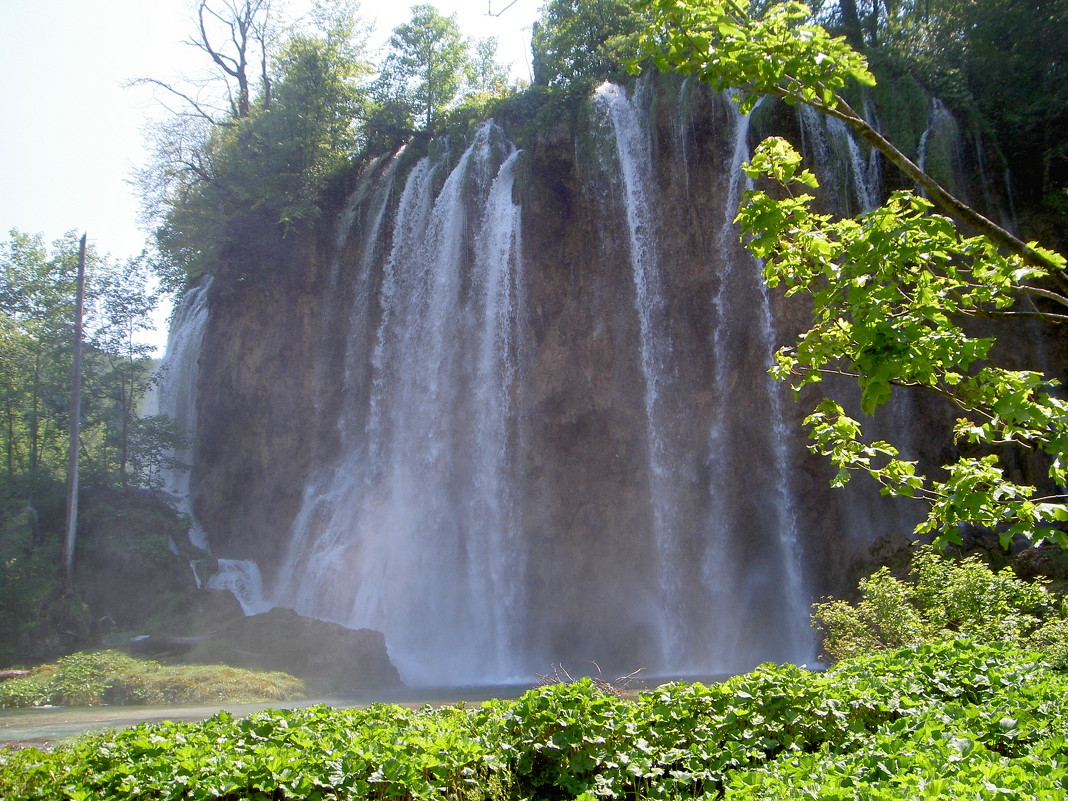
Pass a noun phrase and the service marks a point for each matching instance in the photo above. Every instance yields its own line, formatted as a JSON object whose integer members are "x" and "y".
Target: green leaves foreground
{"x": 720, "y": 43}
{"x": 933, "y": 720}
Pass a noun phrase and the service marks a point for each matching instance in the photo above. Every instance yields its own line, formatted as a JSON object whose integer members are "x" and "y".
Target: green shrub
{"x": 947, "y": 719}
{"x": 942, "y": 599}
{"x": 943, "y": 720}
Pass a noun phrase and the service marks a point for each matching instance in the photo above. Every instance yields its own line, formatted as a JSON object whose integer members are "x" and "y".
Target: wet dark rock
{"x": 346, "y": 659}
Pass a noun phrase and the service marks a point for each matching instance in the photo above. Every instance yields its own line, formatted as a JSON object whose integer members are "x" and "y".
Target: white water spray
{"x": 412, "y": 532}
{"x": 631, "y": 130}
{"x": 741, "y": 285}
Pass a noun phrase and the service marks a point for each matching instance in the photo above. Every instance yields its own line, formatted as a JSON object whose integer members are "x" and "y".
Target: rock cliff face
{"x": 511, "y": 408}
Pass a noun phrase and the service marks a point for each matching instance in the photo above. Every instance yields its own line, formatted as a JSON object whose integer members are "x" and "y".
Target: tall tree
{"x": 582, "y": 40}
{"x": 37, "y": 304}
{"x": 120, "y": 370}
{"x": 235, "y": 36}
{"x": 267, "y": 164}
{"x": 428, "y": 64}
{"x": 239, "y": 38}
{"x": 37, "y": 292}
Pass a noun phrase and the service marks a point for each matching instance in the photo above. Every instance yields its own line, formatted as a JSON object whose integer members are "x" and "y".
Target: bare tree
{"x": 235, "y": 35}
{"x": 238, "y": 37}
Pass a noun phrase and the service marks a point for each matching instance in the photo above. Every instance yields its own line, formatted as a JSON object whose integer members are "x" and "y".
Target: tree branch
{"x": 199, "y": 110}
{"x": 841, "y": 110}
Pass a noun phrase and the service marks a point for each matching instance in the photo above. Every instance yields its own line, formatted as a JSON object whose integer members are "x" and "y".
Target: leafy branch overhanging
{"x": 891, "y": 288}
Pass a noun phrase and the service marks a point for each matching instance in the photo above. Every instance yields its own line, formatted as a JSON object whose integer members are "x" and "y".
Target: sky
{"x": 72, "y": 131}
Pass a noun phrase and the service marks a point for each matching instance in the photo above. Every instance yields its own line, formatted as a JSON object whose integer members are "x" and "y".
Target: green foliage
{"x": 943, "y": 599}
{"x": 891, "y": 290}
{"x": 287, "y": 154}
{"x": 29, "y": 575}
{"x": 214, "y": 182}
{"x": 778, "y": 54}
{"x": 110, "y": 677}
{"x": 36, "y": 347}
{"x": 428, "y": 65}
{"x": 945, "y": 720}
{"x": 944, "y": 715}
{"x": 972, "y": 56}
{"x": 582, "y": 41}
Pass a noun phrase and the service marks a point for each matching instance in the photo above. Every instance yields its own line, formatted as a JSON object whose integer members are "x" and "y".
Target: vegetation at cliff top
{"x": 951, "y": 719}
{"x": 92, "y": 678}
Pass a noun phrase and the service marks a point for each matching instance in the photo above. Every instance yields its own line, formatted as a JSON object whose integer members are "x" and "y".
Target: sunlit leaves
{"x": 940, "y": 600}
{"x": 779, "y": 54}
{"x": 892, "y": 291}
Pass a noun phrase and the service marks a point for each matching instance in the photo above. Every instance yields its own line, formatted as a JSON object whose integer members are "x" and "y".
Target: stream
{"x": 43, "y": 727}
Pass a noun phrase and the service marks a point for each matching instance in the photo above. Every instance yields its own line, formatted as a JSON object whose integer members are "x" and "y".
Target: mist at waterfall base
{"x": 428, "y": 521}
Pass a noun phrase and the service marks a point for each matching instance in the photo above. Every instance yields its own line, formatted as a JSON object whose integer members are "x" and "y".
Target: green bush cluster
{"x": 943, "y": 599}
{"x": 110, "y": 677}
{"x": 945, "y": 719}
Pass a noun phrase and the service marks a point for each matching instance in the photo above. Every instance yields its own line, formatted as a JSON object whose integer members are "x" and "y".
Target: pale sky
{"x": 71, "y": 133}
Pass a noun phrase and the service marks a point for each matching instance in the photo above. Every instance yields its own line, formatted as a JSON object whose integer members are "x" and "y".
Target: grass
{"x": 92, "y": 678}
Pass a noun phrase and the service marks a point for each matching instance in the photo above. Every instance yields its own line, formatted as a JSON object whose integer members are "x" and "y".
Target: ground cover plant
{"x": 111, "y": 677}
{"x": 944, "y": 719}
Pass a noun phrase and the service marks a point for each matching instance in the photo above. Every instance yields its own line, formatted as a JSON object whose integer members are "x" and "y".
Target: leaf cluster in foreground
{"x": 932, "y": 720}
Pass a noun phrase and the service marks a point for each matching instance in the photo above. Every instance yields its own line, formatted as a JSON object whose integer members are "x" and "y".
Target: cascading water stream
{"x": 176, "y": 394}
{"x": 798, "y": 642}
{"x": 942, "y": 126}
{"x": 412, "y": 531}
{"x": 740, "y": 284}
{"x": 577, "y": 458}
{"x": 630, "y": 127}
{"x": 177, "y": 399}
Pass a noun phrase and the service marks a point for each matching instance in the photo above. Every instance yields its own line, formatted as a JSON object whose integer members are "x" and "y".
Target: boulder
{"x": 344, "y": 659}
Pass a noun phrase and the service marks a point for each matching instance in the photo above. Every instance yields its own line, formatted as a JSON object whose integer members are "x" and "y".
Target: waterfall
{"x": 176, "y": 394}
{"x": 242, "y": 578}
{"x": 852, "y": 181}
{"x": 541, "y": 425}
{"x": 177, "y": 397}
{"x": 412, "y": 531}
{"x": 940, "y": 136}
{"x": 741, "y": 285}
{"x": 631, "y": 129}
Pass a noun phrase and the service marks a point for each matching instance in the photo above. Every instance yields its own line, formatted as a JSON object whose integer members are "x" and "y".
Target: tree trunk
{"x": 75, "y": 425}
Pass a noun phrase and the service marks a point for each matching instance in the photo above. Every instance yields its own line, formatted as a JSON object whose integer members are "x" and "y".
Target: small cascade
{"x": 177, "y": 393}
{"x": 683, "y": 128}
{"x": 177, "y": 399}
{"x": 937, "y": 153}
{"x": 242, "y": 578}
{"x": 365, "y": 208}
{"x": 412, "y": 532}
{"x": 852, "y": 180}
{"x": 631, "y": 131}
